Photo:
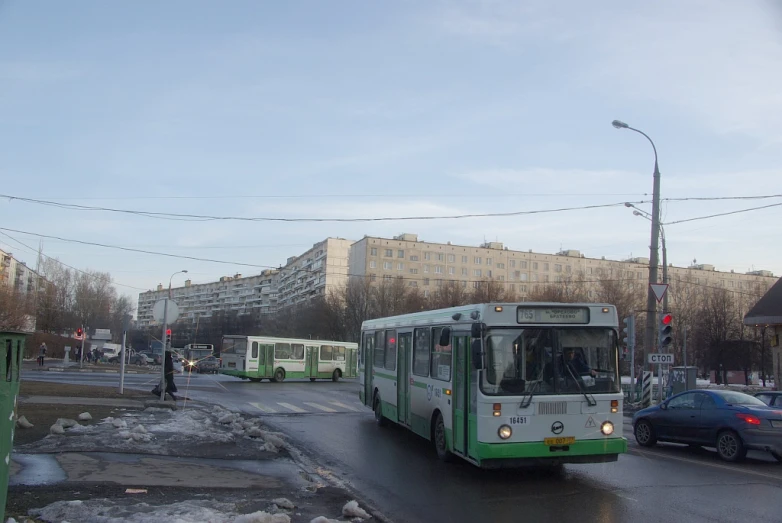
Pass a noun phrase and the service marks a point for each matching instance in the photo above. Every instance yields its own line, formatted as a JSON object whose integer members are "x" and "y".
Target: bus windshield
{"x": 234, "y": 346}
{"x": 550, "y": 361}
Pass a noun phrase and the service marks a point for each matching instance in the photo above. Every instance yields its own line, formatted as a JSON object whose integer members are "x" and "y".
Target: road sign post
{"x": 164, "y": 310}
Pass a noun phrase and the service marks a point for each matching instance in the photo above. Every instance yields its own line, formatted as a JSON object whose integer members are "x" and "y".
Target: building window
{"x": 426, "y": 282}
{"x": 557, "y": 267}
{"x": 589, "y": 270}
{"x": 451, "y": 258}
{"x": 488, "y": 262}
{"x": 372, "y": 277}
{"x": 545, "y": 277}
{"x": 451, "y": 270}
{"x": 568, "y": 269}
{"x": 534, "y": 266}
{"x": 440, "y": 256}
{"x": 513, "y": 263}
{"x": 426, "y": 293}
{"x": 388, "y": 266}
{"x": 464, "y": 259}
{"x": 523, "y": 265}
{"x": 414, "y": 257}
{"x": 389, "y": 253}
{"x": 465, "y": 272}
{"x": 476, "y": 285}
{"x": 477, "y": 272}
{"x": 500, "y": 265}
{"x": 478, "y": 260}
{"x": 387, "y": 277}
{"x": 512, "y": 287}
{"x": 373, "y": 251}
{"x": 426, "y": 268}
{"x": 545, "y": 266}
{"x": 438, "y": 269}
{"x": 400, "y": 266}
{"x": 464, "y": 285}
{"x": 421, "y": 352}
{"x": 488, "y": 273}
{"x": 413, "y": 271}
{"x": 372, "y": 264}
{"x": 523, "y": 276}
{"x": 400, "y": 253}
{"x": 501, "y": 278}
{"x": 427, "y": 256}
{"x": 523, "y": 288}
{"x": 517, "y": 275}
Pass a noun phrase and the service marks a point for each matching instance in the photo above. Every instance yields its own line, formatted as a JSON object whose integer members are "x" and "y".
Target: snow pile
{"x": 352, "y": 510}
{"x": 324, "y": 519}
{"x": 284, "y": 503}
{"x": 191, "y": 511}
{"x": 85, "y": 416}
{"x": 23, "y": 423}
{"x": 56, "y": 429}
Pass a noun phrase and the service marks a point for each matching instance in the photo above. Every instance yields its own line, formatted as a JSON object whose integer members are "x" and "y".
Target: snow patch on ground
{"x": 191, "y": 511}
{"x": 352, "y": 510}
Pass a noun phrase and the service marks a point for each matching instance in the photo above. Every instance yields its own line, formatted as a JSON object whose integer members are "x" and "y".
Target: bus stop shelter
{"x": 767, "y": 313}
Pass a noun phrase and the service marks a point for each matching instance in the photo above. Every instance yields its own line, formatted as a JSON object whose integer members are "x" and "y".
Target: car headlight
{"x": 504, "y": 432}
{"x": 607, "y": 428}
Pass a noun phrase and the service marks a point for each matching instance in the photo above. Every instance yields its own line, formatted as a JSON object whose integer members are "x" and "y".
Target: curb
{"x": 100, "y": 371}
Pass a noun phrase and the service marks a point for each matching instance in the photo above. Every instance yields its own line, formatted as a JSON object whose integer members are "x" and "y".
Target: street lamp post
{"x": 164, "y": 338}
{"x": 651, "y": 306}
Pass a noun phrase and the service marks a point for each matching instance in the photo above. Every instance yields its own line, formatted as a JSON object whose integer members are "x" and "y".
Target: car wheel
{"x": 336, "y": 375}
{"x": 379, "y": 418}
{"x": 730, "y": 447}
{"x": 440, "y": 442}
{"x": 644, "y": 434}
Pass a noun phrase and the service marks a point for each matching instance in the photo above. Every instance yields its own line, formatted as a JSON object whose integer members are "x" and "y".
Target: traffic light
{"x": 665, "y": 329}
{"x": 628, "y": 342}
{"x": 79, "y": 332}
{"x": 168, "y": 338}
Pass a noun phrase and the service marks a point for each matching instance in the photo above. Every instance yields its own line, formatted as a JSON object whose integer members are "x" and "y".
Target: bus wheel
{"x": 337, "y": 374}
{"x": 440, "y": 444}
{"x": 379, "y": 419}
{"x": 279, "y": 375}
{"x": 312, "y": 379}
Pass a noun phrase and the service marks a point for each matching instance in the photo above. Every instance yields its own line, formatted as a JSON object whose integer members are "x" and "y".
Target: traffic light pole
{"x": 164, "y": 337}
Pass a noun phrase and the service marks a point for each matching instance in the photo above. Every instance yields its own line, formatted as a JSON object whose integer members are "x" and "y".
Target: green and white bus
{"x": 500, "y": 384}
{"x": 259, "y": 357}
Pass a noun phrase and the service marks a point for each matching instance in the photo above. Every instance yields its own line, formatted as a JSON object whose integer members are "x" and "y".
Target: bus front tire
{"x": 440, "y": 442}
{"x": 336, "y": 375}
{"x": 279, "y": 375}
{"x": 379, "y": 419}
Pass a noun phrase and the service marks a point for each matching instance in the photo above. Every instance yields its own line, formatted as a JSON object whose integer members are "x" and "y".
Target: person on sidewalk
{"x": 169, "y": 371}
{"x": 41, "y": 354}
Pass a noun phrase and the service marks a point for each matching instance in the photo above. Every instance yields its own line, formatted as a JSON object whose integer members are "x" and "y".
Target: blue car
{"x": 733, "y": 422}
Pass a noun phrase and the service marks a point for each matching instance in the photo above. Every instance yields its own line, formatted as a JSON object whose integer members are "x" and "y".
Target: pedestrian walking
{"x": 169, "y": 370}
{"x": 41, "y": 354}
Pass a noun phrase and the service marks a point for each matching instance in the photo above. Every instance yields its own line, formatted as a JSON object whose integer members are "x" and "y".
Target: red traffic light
{"x": 666, "y": 319}
{"x": 78, "y": 331}
{"x": 168, "y": 332}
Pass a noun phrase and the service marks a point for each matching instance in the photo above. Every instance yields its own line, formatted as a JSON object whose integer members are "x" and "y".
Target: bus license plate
{"x": 559, "y": 441}
{"x": 519, "y": 420}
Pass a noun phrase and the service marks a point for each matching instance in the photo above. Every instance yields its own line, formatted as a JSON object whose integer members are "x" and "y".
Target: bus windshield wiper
{"x": 590, "y": 400}
{"x": 526, "y": 397}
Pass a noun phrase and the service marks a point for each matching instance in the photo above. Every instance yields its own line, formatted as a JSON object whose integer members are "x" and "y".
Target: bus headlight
{"x": 504, "y": 432}
{"x": 607, "y": 428}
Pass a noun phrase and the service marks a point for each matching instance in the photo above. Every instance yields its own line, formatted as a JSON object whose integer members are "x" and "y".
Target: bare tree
{"x": 15, "y": 309}
{"x": 449, "y": 294}
{"x": 568, "y": 290}
{"x": 488, "y": 291}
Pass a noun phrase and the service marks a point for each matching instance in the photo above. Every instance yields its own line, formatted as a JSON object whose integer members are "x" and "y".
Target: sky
{"x": 355, "y": 109}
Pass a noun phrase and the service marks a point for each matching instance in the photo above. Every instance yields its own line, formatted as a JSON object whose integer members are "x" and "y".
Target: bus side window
{"x": 255, "y": 350}
{"x": 390, "y": 362}
{"x": 441, "y": 356}
{"x": 379, "y": 356}
{"x": 326, "y": 352}
{"x": 339, "y": 353}
{"x": 282, "y": 351}
{"x": 297, "y": 351}
{"x": 9, "y": 346}
{"x": 421, "y": 352}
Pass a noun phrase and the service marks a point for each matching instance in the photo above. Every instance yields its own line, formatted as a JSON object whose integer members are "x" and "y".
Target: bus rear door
{"x": 311, "y": 362}
{"x": 461, "y": 383}
{"x": 404, "y": 355}
{"x": 368, "y": 349}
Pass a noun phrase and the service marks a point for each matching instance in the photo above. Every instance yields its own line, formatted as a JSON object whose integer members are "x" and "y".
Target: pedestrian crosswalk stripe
{"x": 294, "y": 408}
{"x": 321, "y": 407}
{"x": 338, "y": 404}
{"x": 263, "y": 408}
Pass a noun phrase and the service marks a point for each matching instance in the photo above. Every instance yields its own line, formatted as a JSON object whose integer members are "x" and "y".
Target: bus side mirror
{"x": 476, "y": 331}
{"x": 477, "y": 354}
{"x": 445, "y": 337}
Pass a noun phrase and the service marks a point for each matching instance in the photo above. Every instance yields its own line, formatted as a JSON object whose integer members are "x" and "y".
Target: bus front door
{"x": 311, "y": 363}
{"x": 461, "y": 382}
{"x": 351, "y": 364}
{"x": 404, "y": 350}
{"x": 368, "y": 348}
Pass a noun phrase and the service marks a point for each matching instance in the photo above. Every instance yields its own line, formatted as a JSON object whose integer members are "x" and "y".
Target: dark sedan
{"x": 733, "y": 422}
{"x": 210, "y": 364}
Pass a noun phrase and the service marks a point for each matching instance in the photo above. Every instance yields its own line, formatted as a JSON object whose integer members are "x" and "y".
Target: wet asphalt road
{"x": 399, "y": 473}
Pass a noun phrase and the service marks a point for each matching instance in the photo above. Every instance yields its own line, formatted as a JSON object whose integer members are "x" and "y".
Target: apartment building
{"x": 427, "y": 265}
{"x": 314, "y": 273}
{"x": 241, "y": 294}
{"x": 16, "y": 274}
{"x": 322, "y": 267}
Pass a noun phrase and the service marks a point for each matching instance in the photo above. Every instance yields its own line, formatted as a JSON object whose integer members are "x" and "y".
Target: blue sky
{"x": 365, "y": 109}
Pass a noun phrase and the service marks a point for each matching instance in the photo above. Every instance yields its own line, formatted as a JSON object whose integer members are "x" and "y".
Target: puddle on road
{"x": 132, "y": 469}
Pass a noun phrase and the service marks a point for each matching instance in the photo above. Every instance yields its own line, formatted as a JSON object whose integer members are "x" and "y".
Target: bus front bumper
{"x": 501, "y": 455}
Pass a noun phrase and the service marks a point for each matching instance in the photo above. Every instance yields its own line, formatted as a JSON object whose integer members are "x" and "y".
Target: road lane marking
{"x": 338, "y": 404}
{"x": 288, "y": 406}
{"x": 645, "y": 453}
{"x": 263, "y": 408}
{"x": 321, "y": 407}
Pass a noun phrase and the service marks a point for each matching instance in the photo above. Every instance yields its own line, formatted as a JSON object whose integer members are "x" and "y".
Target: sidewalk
{"x": 58, "y": 365}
